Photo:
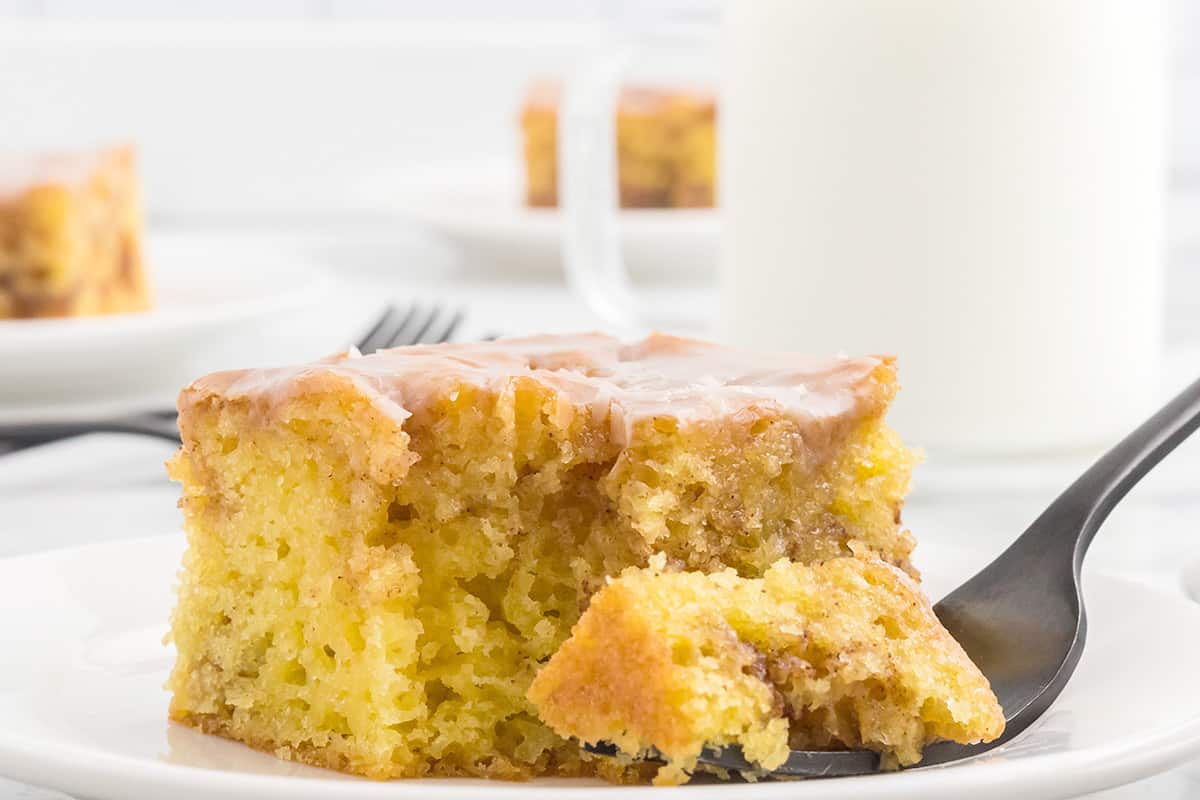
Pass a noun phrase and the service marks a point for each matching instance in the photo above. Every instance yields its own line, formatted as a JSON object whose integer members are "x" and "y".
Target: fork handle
{"x": 1089, "y": 500}
{"x": 142, "y": 424}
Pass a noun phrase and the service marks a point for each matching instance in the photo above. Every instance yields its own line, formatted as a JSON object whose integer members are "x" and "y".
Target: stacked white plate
{"x": 221, "y": 301}
{"x": 479, "y": 208}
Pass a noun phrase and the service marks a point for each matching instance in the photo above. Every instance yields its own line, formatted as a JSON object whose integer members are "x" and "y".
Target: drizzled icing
{"x": 660, "y": 376}
{"x": 22, "y": 172}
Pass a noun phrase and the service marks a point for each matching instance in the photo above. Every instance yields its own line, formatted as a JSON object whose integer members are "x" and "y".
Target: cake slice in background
{"x": 71, "y": 235}
{"x": 383, "y": 550}
{"x": 666, "y": 147}
{"x": 843, "y": 654}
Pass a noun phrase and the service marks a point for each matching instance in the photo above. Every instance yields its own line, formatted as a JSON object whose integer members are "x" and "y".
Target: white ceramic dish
{"x": 479, "y": 208}
{"x": 83, "y": 709}
{"x": 221, "y": 301}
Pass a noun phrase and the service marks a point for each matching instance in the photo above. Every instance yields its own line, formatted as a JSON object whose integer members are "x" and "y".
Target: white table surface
{"x": 116, "y": 487}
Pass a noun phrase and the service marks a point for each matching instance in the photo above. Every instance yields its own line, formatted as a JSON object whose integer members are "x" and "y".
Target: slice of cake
{"x": 384, "y": 549}
{"x": 843, "y": 654}
{"x": 666, "y": 147}
{"x": 71, "y": 235}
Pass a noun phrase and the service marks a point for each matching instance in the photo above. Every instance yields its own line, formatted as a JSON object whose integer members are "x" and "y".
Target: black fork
{"x": 1021, "y": 619}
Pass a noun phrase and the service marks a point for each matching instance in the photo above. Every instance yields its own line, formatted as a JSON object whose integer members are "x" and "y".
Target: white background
{"x": 317, "y": 111}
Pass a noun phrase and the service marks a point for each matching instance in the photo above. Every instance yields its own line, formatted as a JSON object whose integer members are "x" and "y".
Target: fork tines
{"x": 415, "y": 323}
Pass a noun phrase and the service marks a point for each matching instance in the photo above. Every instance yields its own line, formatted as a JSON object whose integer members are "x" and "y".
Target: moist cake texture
{"x": 383, "y": 550}
{"x": 70, "y": 235}
{"x": 666, "y": 147}
{"x": 843, "y": 654}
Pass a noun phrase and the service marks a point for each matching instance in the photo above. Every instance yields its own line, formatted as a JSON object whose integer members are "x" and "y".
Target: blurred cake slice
{"x": 71, "y": 235}
{"x": 384, "y": 549}
{"x": 666, "y": 147}
{"x": 842, "y": 654}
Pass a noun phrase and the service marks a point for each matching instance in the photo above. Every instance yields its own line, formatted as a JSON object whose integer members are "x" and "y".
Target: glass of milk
{"x": 974, "y": 186}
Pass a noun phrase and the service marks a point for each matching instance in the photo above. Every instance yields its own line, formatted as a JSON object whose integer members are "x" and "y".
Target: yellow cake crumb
{"x": 843, "y": 654}
{"x": 666, "y": 147}
{"x": 71, "y": 235}
{"x": 383, "y": 550}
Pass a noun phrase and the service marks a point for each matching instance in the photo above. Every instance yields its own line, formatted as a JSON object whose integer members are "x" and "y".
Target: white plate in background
{"x": 84, "y": 710}
{"x": 480, "y": 209}
{"x": 221, "y": 301}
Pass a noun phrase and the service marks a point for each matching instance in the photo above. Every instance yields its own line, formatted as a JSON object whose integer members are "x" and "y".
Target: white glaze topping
{"x": 660, "y": 376}
{"x": 21, "y": 172}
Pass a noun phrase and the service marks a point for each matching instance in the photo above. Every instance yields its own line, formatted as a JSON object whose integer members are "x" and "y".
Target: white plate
{"x": 82, "y": 708}
{"x": 220, "y": 302}
{"x": 480, "y": 209}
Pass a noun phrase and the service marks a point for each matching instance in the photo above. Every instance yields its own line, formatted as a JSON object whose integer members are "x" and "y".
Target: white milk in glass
{"x": 975, "y": 186}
